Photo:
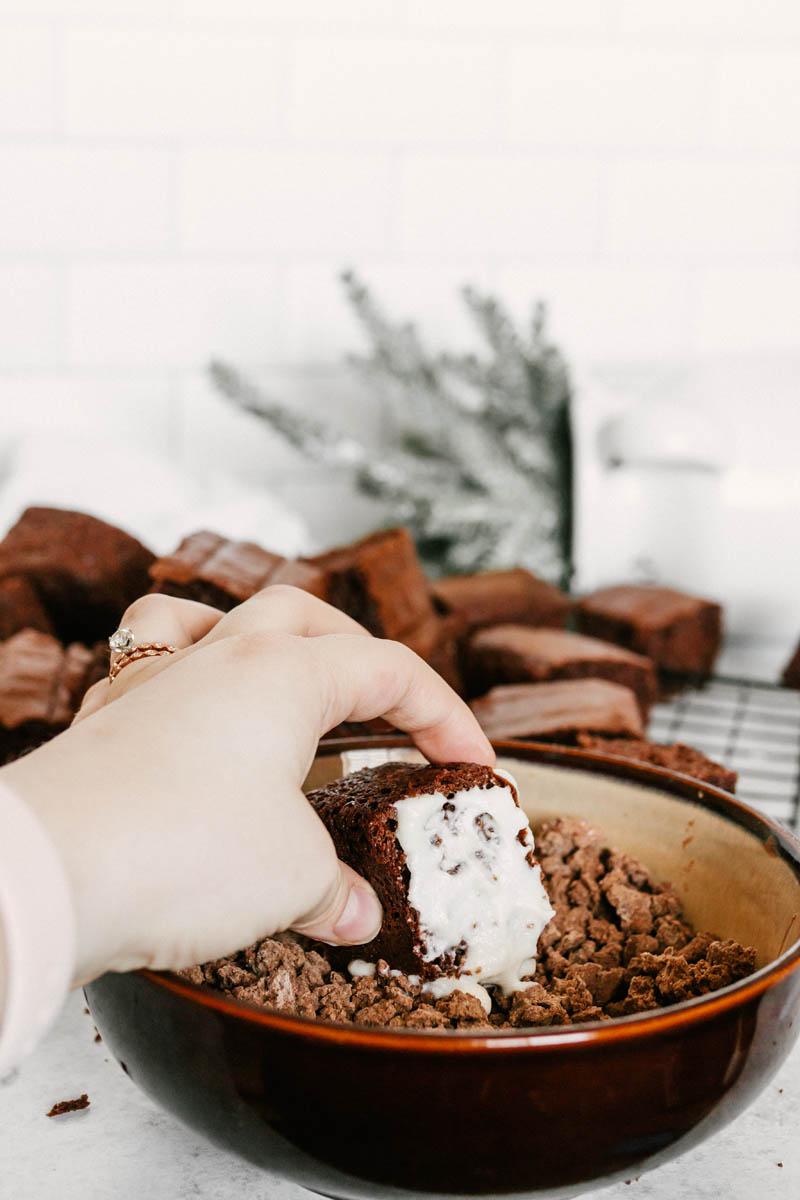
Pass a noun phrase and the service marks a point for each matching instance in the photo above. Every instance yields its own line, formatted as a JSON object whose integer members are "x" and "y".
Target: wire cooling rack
{"x": 754, "y": 728}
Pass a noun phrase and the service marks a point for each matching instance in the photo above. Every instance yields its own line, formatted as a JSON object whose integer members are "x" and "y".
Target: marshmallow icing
{"x": 471, "y": 881}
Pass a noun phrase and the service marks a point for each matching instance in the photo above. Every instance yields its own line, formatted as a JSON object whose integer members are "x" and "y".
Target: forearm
{"x": 37, "y": 930}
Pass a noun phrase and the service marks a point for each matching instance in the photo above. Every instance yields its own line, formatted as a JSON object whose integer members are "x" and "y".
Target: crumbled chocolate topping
{"x": 618, "y": 944}
{"x": 68, "y": 1106}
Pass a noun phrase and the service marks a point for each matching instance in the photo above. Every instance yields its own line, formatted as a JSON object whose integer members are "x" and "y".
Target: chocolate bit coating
{"x": 500, "y": 598}
{"x": 521, "y": 654}
{"x": 84, "y": 571}
{"x": 679, "y": 632}
{"x": 559, "y": 711}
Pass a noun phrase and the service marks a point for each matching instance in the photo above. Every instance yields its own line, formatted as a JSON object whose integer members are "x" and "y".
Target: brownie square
{"x": 218, "y": 571}
{"x": 679, "y": 632}
{"x": 513, "y": 597}
{"x": 522, "y": 654}
{"x": 41, "y": 687}
{"x": 379, "y": 582}
{"x": 21, "y": 608}
{"x": 790, "y": 676}
{"x": 559, "y": 711}
{"x": 84, "y": 571}
{"x": 675, "y": 757}
{"x": 435, "y": 640}
{"x": 361, "y": 813}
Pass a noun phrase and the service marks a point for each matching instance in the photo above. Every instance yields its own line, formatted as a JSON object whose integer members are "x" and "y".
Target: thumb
{"x": 349, "y": 915}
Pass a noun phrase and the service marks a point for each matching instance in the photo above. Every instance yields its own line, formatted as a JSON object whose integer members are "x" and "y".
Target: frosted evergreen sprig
{"x": 479, "y": 461}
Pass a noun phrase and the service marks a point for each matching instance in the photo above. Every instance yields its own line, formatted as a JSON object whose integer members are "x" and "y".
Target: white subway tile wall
{"x": 182, "y": 179}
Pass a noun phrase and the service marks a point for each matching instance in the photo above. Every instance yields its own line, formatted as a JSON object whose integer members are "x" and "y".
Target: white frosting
{"x": 445, "y": 985}
{"x": 360, "y": 969}
{"x": 471, "y": 881}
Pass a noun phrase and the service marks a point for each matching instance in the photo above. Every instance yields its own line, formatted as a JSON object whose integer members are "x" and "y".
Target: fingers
{"x": 368, "y": 677}
{"x": 181, "y": 623}
{"x": 284, "y": 609}
{"x": 153, "y": 618}
{"x": 349, "y": 916}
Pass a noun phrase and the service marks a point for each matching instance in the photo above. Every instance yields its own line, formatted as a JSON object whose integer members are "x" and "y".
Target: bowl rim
{"x": 777, "y": 841}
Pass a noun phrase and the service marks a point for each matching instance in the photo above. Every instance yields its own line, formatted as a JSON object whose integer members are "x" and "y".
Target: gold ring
{"x": 123, "y": 643}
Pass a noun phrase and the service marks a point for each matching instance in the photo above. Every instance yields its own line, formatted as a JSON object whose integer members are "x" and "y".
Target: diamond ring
{"x": 123, "y": 643}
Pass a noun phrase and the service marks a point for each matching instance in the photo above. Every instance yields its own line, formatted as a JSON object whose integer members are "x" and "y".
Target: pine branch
{"x": 479, "y": 462}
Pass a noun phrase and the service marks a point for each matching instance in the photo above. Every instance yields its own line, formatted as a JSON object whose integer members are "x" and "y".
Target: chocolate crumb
{"x": 68, "y": 1106}
{"x": 618, "y": 944}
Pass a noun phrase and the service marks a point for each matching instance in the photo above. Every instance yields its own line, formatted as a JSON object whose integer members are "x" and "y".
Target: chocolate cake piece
{"x": 436, "y": 641}
{"x": 680, "y": 633}
{"x": 84, "y": 571}
{"x": 791, "y": 672}
{"x": 217, "y": 571}
{"x": 21, "y": 608}
{"x": 522, "y": 654}
{"x": 675, "y": 757}
{"x": 559, "y": 711}
{"x": 41, "y": 686}
{"x": 379, "y": 582}
{"x": 513, "y": 597}
{"x": 449, "y": 853}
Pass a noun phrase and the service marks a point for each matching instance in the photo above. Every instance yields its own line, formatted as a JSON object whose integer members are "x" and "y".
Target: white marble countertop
{"x": 122, "y": 1147}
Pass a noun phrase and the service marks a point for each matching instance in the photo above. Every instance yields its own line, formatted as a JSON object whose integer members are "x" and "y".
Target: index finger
{"x": 364, "y": 678}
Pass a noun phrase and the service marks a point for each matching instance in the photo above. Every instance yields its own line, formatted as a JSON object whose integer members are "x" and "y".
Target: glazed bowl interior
{"x": 731, "y": 881}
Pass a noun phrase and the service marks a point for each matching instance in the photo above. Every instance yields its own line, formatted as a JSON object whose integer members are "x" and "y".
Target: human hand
{"x": 175, "y": 799}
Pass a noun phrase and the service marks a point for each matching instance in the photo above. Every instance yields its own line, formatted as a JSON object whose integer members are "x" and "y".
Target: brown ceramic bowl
{"x": 363, "y": 1112}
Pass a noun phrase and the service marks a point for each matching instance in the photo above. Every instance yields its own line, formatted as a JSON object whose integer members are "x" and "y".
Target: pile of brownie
{"x": 500, "y": 638}
{"x": 617, "y": 945}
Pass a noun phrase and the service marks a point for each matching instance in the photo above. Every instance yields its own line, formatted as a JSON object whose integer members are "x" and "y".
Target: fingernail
{"x": 361, "y": 918}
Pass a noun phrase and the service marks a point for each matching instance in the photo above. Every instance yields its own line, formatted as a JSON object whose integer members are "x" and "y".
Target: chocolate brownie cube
{"x": 675, "y": 757}
{"x": 790, "y": 676}
{"x": 21, "y": 608}
{"x": 84, "y": 571}
{"x": 514, "y": 597}
{"x": 41, "y": 687}
{"x": 679, "y": 632}
{"x": 379, "y": 582}
{"x": 559, "y": 711}
{"x": 449, "y": 853}
{"x": 522, "y": 654}
{"x": 436, "y": 641}
{"x": 218, "y": 571}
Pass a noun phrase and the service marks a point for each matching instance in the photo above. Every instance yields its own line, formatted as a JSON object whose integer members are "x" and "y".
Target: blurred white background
{"x": 182, "y": 180}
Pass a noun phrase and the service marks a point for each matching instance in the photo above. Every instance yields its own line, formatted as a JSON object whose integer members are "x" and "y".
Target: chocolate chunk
{"x": 41, "y": 686}
{"x": 679, "y": 632}
{"x": 379, "y": 582}
{"x": 675, "y": 757}
{"x": 519, "y": 654}
{"x": 500, "y": 598}
{"x": 559, "y": 711}
{"x": 223, "y": 573}
{"x": 84, "y": 571}
{"x": 68, "y": 1106}
{"x": 21, "y": 608}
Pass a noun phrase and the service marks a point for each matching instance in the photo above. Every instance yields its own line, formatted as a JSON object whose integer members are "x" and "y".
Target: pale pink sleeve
{"x": 37, "y": 931}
